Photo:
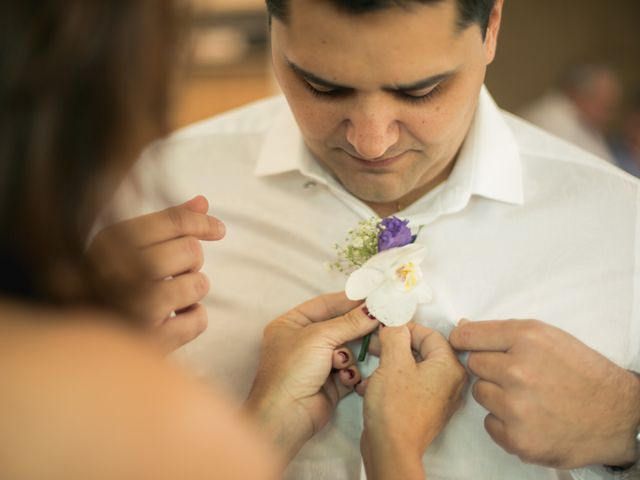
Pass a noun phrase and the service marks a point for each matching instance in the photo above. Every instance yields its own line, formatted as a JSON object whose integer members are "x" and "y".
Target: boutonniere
{"x": 383, "y": 264}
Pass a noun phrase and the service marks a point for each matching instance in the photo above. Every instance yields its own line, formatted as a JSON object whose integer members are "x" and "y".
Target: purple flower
{"x": 393, "y": 232}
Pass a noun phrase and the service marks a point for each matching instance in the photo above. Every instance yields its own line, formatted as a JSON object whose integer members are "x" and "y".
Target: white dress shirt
{"x": 526, "y": 226}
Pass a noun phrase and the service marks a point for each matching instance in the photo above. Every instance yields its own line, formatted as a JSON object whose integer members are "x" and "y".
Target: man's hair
{"x": 469, "y": 11}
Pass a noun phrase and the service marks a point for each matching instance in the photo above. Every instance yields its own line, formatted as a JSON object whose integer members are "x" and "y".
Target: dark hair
{"x": 83, "y": 86}
{"x": 470, "y": 11}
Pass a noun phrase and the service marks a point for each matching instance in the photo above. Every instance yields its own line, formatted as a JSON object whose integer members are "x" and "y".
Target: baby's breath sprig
{"x": 360, "y": 245}
{"x": 368, "y": 239}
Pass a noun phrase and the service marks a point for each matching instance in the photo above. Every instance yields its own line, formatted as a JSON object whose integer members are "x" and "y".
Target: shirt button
{"x": 310, "y": 184}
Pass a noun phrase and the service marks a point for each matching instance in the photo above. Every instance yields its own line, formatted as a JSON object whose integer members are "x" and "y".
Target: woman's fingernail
{"x": 462, "y": 321}
{"x": 343, "y": 356}
{"x": 367, "y": 313}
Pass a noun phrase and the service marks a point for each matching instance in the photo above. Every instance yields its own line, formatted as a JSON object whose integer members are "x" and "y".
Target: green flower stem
{"x": 364, "y": 347}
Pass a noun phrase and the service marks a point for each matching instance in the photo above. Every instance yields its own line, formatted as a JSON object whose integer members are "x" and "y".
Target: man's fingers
{"x": 327, "y": 306}
{"x": 491, "y": 366}
{"x": 174, "y": 257}
{"x": 496, "y": 428}
{"x": 428, "y": 342}
{"x": 490, "y": 396}
{"x": 171, "y": 223}
{"x": 395, "y": 346}
{"x": 183, "y": 328}
{"x": 494, "y": 335}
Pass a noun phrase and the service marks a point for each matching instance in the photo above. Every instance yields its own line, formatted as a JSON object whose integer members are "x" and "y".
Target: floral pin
{"x": 383, "y": 265}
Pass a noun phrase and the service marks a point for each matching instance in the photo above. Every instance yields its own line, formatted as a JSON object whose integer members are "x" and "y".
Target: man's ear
{"x": 493, "y": 29}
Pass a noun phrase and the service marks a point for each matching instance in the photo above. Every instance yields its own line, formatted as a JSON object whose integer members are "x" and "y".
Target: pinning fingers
{"x": 342, "y": 358}
{"x": 349, "y": 377}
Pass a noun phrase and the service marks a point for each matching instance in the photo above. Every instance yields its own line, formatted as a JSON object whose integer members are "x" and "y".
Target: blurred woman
{"x": 83, "y": 391}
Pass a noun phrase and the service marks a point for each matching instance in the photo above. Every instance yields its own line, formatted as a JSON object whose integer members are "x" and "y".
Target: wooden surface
{"x": 204, "y": 96}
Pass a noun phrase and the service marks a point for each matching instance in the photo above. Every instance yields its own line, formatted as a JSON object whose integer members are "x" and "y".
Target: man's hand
{"x": 552, "y": 400}
{"x": 170, "y": 250}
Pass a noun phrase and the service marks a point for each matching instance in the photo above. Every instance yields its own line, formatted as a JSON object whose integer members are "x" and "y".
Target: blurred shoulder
{"x": 73, "y": 381}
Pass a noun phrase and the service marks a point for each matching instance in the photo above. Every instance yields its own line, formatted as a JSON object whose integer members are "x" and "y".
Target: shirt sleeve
{"x": 597, "y": 472}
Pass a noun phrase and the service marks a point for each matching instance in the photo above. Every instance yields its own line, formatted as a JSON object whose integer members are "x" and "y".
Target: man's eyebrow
{"x": 422, "y": 84}
{"x": 315, "y": 79}
{"x": 419, "y": 85}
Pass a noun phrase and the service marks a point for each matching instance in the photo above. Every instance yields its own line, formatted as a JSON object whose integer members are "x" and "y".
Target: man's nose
{"x": 371, "y": 131}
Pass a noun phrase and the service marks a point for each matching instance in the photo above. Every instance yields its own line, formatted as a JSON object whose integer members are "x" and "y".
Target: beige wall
{"x": 540, "y": 37}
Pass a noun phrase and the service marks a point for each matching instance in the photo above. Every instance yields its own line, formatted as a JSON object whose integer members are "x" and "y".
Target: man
{"x": 581, "y": 109}
{"x": 387, "y": 115}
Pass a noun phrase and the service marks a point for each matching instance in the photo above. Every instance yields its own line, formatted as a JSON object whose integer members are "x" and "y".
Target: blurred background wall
{"x": 538, "y": 39}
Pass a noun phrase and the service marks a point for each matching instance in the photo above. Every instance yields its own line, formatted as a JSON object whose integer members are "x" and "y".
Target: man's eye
{"x": 421, "y": 95}
{"x": 325, "y": 92}
{"x": 319, "y": 88}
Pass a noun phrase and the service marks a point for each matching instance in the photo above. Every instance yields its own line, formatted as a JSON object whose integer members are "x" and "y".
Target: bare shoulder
{"x": 88, "y": 399}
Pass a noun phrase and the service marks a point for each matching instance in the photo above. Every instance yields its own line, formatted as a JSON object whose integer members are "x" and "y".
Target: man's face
{"x": 383, "y": 99}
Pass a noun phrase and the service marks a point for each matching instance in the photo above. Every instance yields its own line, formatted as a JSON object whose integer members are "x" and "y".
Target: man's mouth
{"x": 374, "y": 163}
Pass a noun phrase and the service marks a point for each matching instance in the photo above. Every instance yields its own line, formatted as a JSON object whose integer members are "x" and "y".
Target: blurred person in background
{"x": 626, "y": 144}
{"x": 85, "y": 392}
{"x": 581, "y": 108}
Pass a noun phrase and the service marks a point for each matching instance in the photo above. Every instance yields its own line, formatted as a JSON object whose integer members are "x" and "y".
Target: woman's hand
{"x": 408, "y": 400}
{"x": 303, "y": 373}
{"x": 168, "y": 249}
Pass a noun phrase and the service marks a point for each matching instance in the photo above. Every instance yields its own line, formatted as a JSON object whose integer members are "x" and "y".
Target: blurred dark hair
{"x": 470, "y": 11}
{"x": 83, "y": 86}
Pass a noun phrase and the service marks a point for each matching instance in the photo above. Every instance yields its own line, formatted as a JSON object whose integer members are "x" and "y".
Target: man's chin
{"x": 380, "y": 196}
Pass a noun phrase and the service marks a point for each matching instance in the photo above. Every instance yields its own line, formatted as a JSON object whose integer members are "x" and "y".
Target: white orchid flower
{"x": 392, "y": 284}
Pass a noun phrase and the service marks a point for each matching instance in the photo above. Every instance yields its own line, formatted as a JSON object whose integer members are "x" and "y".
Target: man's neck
{"x": 388, "y": 209}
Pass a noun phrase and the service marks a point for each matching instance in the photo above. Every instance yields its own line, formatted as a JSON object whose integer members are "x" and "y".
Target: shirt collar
{"x": 488, "y": 163}
{"x": 284, "y": 151}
